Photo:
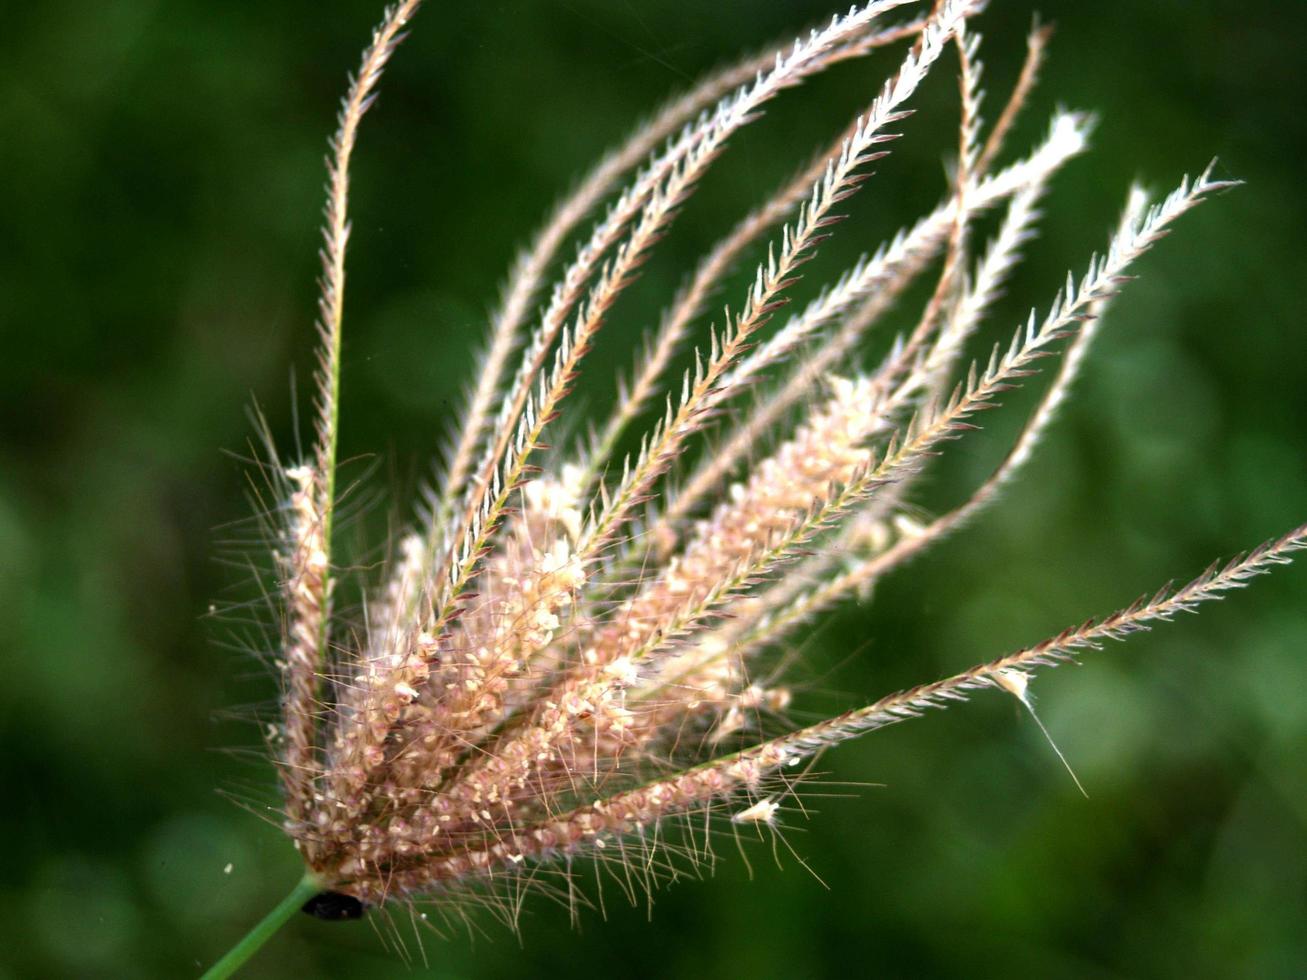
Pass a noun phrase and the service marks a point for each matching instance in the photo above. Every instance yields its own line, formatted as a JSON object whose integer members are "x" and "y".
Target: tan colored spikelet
{"x": 304, "y": 561}
{"x": 572, "y": 653}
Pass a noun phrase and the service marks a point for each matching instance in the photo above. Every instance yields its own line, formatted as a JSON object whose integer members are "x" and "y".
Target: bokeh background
{"x": 160, "y": 174}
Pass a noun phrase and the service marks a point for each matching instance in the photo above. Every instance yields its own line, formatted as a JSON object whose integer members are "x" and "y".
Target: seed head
{"x": 573, "y": 652}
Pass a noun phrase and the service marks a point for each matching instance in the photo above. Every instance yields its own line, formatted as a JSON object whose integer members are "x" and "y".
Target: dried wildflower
{"x": 562, "y": 657}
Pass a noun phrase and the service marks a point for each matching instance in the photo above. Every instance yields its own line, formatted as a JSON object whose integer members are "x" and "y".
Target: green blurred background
{"x": 160, "y": 174}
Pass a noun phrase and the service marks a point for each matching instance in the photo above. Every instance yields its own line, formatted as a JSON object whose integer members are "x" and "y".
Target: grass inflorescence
{"x": 575, "y": 652}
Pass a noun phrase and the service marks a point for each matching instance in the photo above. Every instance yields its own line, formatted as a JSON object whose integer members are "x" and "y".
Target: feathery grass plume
{"x": 562, "y": 658}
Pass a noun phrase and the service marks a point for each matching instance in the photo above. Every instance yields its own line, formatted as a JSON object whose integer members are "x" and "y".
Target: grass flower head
{"x": 577, "y": 652}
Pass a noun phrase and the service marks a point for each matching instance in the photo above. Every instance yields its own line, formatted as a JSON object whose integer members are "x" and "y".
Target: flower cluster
{"x": 570, "y": 652}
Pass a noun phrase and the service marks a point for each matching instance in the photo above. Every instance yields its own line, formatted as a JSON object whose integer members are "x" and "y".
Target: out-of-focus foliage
{"x": 159, "y": 192}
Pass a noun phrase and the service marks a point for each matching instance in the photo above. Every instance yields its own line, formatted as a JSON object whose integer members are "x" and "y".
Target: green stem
{"x": 261, "y": 933}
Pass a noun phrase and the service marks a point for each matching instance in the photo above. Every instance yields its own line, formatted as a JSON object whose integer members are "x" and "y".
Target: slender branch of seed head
{"x": 964, "y": 319}
{"x": 507, "y": 459}
{"x": 335, "y": 238}
{"x": 305, "y": 566}
{"x": 929, "y": 324}
{"x": 968, "y": 136}
{"x": 840, "y": 180}
{"x": 1036, "y": 51}
{"x": 879, "y": 281}
{"x": 309, "y": 572}
{"x": 946, "y": 287}
{"x": 949, "y": 284}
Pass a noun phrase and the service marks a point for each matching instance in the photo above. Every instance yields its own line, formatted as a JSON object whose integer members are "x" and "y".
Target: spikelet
{"x": 562, "y": 658}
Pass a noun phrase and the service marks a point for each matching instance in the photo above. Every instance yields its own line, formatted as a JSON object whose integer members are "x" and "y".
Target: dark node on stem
{"x": 333, "y": 907}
